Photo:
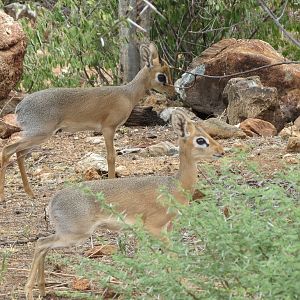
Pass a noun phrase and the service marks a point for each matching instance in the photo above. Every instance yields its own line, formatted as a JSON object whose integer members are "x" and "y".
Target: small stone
{"x": 197, "y": 195}
{"x": 297, "y": 123}
{"x": 160, "y": 149}
{"x": 240, "y": 146}
{"x": 11, "y": 119}
{"x": 293, "y": 144}
{"x": 6, "y": 130}
{"x": 290, "y": 158}
{"x": 102, "y": 250}
{"x": 92, "y": 160}
{"x": 291, "y": 131}
{"x": 91, "y": 174}
{"x": 257, "y": 127}
{"x": 121, "y": 169}
{"x": 81, "y": 284}
{"x": 151, "y": 135}
{"x": 36, "y": 155}
{"x": 42, "y": 170}
{"x": 167, "y": 113}
{"x": 95, "y": 140}
{"x": 45, "y": 174}
{"x": 128, "y": 151}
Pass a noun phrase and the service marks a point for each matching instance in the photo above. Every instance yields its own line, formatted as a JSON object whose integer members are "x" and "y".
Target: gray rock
{"x": 220, "y": 129}
{"x": 248, "y": 98}
{"x": 92, "y": 160}
{"x": 160, "y": 149}
{"x": 128, "y": 151}
{"x": 166, "y": 114}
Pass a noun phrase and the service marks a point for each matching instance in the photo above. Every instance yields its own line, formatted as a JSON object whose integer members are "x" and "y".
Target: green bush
{"x": 66, "y": 44}
{"x": 240, "y": 242}
{"x": 196, "y": 25}
{"x": 72, "y": 45}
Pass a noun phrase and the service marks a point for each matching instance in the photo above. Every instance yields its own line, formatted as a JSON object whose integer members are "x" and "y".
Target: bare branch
{"x": 273, "y": 17}
{"x": 154, "y": 8}
{"x": 283, "y": 10}
{"x": 136, "y": 25}
{"x": 216, "y": 29}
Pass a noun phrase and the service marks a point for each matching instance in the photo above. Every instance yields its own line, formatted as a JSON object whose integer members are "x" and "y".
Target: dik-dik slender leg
{"x": 7, "y": 152}
{"x": 41, "y": 276}
{"x": 108, "y": 134}
{"x": 20, "y": 160}
{"x": 20, "y": 146}
{"x": 43, "y": 245}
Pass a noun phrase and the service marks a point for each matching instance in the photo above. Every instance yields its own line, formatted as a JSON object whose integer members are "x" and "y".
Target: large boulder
{"x": 231, "y": 56}
{"x": 220, "y": 129}
{"x": 248, "y": 98}
{"x": 12, "y": 51}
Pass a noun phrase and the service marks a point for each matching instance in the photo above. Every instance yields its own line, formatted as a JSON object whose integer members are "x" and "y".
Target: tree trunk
{"x": 129, "y": 58}
{"x": 144, "y": 116}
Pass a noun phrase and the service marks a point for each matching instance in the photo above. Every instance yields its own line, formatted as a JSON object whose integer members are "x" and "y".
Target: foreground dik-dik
{"x": 43, "y": 113}
{"x": 76, "y": 214}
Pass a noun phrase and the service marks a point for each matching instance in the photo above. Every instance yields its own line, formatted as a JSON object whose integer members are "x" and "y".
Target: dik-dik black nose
{"x": 218, "y": 155}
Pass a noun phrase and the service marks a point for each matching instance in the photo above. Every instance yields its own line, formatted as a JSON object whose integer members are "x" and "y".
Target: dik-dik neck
{"x": 137, "y": 88}
{"x": 187, "y": 174}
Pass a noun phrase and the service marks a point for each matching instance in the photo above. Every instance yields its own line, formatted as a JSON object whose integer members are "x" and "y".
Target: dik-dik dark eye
{"x": 202, "y": 142}
{"x": 161, "y": 78}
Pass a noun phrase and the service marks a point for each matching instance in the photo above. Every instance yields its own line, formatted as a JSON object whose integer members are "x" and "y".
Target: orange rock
{"x": 257, "y": 127}
{"x": 101, "y": 250}
{"x": 81, "y": 284}
{"x": 6, "y": 130}
{"x": 290, "y": 131}
{"x": 91, "y": 174}
{"x": 11, "y": 119}
{"x": 297, "y": 123}
{"x": 198, "y": 195}
{"x": 12, "y": 51}
{"x": 230, "y": 56}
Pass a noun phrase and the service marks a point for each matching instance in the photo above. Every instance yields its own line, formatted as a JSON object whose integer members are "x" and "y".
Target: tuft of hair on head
{"x": 149, "y": 55}
{"x": 153, "y": 49}
{"x": 181, "y": 122}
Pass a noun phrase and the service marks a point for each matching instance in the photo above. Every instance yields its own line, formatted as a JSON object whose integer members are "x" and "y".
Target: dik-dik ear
{"x": 182, "y": 124}
{"x": 149, "y": 55}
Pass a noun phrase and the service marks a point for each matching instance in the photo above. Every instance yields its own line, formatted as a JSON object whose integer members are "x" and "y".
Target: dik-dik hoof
{"x": 28, "y": 293}
{"x": 2, "y": 198}
{"x": 29, "y": 192}
{"x": 42, "y": 289}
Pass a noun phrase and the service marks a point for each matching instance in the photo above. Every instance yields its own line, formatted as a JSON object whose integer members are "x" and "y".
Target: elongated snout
{"x": 218, "y": 155}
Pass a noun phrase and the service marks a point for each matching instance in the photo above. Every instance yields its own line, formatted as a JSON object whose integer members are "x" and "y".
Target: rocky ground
{"x": 55, "y": 163}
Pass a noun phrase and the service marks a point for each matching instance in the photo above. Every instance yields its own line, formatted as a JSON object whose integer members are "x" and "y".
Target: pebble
{"x": 95, "y": 140}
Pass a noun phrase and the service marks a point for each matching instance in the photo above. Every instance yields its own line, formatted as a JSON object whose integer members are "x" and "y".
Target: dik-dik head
{"x": 160, "y": 75}
{"x": 193, "y": 140}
